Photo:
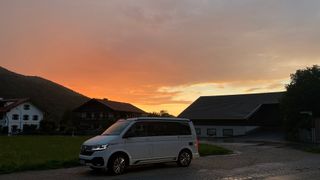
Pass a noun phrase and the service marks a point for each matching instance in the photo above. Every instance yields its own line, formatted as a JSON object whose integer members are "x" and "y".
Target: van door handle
{"x": 190, "y": 143}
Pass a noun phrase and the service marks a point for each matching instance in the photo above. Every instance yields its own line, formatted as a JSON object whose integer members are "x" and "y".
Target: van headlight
{"x": 99, "y": 147}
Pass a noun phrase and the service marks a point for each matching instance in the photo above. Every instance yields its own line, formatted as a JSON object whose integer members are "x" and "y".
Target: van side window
{"x": 168, "y": 128}
{"x": 139, "y": 129}
{"x": 180, "y": 128}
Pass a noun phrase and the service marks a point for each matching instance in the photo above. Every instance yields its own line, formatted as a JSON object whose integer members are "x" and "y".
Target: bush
{"x": 48, "y": 126}
{"x": 28, "y": 129}
{"x": 4, "y": 130}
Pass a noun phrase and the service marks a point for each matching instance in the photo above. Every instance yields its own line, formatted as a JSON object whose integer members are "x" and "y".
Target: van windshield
{"x": 116, "y": 128}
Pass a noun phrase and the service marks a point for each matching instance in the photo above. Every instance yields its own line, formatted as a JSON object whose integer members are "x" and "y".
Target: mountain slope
{"x": 51, "y": 97}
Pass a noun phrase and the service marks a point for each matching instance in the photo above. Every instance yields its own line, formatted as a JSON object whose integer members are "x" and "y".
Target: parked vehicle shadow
{"x": 132, "y": 169}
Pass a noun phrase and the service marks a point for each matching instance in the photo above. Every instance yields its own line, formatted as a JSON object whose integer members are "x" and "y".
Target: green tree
{"x": 162, "y": 113}
{"x": 66, "y": 121}
{"x": 48, "y": 126}
{"x": 301, "y": 100}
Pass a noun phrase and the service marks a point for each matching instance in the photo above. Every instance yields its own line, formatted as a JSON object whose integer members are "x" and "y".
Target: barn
{"x": 234, "y": 115}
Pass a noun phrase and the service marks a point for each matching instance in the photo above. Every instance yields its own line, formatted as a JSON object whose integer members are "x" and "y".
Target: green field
{"x": 38, "y": 152}
{"x": 208, "y": 149}
{"x": 18, "y": 153}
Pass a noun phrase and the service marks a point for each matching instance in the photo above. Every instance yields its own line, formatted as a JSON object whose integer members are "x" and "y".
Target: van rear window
{"x": 168, "y": 128}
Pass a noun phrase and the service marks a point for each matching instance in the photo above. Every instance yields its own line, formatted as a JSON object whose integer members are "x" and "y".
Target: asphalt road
{"x": 251, "y": 161}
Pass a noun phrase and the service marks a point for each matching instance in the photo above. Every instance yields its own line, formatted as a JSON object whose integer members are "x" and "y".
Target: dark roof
{"x": 120, "y": 106}
{"x": 229, "y": 106}
{"x": 157, "y": 119}
{"x": 13, "y": 103}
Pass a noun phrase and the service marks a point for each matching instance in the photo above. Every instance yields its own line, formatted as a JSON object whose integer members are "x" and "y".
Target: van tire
{"x": 117, "y": 164}
{"x": 184, "y": 158}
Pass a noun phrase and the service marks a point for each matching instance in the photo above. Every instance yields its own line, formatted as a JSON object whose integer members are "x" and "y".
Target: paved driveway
{"x": 251, "y": 161}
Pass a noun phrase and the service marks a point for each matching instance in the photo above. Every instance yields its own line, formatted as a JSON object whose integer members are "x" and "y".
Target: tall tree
{"x": 301, "y": 101}
{"x": 162, "y": 113}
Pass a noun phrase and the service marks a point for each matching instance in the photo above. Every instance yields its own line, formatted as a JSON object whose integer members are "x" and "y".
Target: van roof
{"x": 157, "y": 118}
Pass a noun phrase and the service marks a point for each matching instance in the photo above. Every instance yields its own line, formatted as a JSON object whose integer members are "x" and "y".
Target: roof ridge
{"x": 14, "y": 99}
{"x": 120, "y": 106}
{"x": 226, "y": 95}
{"x": 103, "y": 99}
{"x": 16, "y": 103}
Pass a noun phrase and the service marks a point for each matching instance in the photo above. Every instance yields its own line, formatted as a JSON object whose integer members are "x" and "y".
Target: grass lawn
{"x": 208, "y": 149}
{"x": 312, "y": 149}
{"x": 18, "y": 153}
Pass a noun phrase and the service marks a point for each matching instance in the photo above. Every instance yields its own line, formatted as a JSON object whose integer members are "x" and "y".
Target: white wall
{"x": 19, "y": 110}
{"x": 237, "y": 130}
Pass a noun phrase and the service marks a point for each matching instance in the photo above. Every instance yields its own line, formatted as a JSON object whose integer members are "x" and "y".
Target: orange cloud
{"x": 160, "y": 54}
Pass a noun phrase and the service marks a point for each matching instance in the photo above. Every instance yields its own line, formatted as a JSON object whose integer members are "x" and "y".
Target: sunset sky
{"x": 160, "y": 54}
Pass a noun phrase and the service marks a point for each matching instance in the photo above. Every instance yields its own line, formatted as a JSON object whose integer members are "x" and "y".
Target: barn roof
{"x": 120, "y": 106}
{"x": 229, "y": 106}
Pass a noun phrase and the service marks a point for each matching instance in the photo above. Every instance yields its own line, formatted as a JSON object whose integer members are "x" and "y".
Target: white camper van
{"x": 139, "y": 141}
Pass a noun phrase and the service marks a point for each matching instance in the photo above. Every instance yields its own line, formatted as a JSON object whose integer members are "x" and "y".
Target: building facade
{"x": 17, "y": 115}
{"x": 96, "y": 114}
{"x": 234, "y": 115}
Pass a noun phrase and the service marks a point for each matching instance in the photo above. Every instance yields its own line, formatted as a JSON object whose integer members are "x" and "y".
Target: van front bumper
{"x": 94, "y": 162}
{"x": 97, "y": 160}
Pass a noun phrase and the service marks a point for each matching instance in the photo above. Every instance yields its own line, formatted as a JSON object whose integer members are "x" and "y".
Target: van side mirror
{"x": 128, "y": 134}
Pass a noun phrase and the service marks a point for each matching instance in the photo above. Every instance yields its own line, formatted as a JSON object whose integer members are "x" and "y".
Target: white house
{"x": 17, "y": 114}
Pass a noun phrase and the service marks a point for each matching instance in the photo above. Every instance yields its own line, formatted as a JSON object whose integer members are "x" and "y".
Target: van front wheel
{"x": 184, "y": 158}
{"x": 117, "y": 164}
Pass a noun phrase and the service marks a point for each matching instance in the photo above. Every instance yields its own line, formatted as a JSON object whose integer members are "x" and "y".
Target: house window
{"x": 198, "y": 131}
{"x": 35, "y": 117}
{"x": 227, "y": 132}
{"x": 96, "y": 115}
{"x": 26, "y": 117}
{"x": 88, "y": 115}
{"x": 15, "y": 117}
{"x": 211, "y": 132}
{"x": 26, "y": 107}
